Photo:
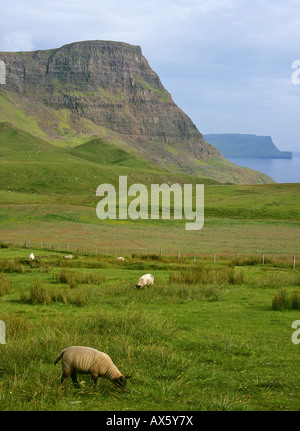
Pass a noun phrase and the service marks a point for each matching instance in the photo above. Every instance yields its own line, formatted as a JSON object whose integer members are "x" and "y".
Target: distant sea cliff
{"x": 248, "y": 146}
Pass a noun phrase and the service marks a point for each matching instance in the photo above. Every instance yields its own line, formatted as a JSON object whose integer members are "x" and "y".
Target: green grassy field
{"x": 244, "y": 219}
{"x": 208, "y": 339}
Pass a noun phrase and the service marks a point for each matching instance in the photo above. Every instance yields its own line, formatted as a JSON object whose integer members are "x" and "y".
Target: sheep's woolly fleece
{"x": 145, "y": 280}
{"x": 86, "y": 360}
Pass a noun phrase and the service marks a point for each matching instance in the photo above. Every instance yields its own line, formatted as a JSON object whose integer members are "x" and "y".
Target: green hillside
{"x": 30, "y": 164}
{"x": 99, "y": 151}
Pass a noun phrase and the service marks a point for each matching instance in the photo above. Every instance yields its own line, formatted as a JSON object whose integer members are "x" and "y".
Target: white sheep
{"x": 86, "y": 360}
{"x": 145, "y": 280}
{"x": 31, "y": 257}
{"x": 120, "y": 258}
{"x": 69, "y": 256}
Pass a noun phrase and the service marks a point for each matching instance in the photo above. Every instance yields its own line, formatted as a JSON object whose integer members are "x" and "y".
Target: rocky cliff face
{"x": 109, "y": 83}
{"x": 107, "y": 89}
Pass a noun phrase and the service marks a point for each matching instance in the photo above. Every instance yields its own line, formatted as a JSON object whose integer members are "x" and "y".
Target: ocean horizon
{"x": 280, "y": 170}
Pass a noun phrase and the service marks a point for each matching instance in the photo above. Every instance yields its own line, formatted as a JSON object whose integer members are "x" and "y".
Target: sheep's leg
{"x": 74, "y": 379}
{"x": 63, "y": 381}
{"x": 94, "y": 378}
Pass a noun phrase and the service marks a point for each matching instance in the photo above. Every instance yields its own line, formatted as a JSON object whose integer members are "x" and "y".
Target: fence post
{"x": 106, "y": 251}
{"x": 118, "y": 252}
{"x": 294, "y": 262}
{"x": 194, "y": 257}
{"x": 263, "y": 259}
{"x": 160, "y": 252}
{"x": 179, "y": 255}
{"x": 214, "y": 258}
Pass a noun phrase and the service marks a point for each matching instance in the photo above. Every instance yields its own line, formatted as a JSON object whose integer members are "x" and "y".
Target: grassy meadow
{"x": 210, "y": 334}
{"x": 204, "y": 337}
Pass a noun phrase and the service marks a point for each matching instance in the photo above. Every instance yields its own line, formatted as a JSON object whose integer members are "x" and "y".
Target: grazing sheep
{"x": 120, "y": 258}
{"x": 31, "y": 257}
{"x": 69, "y": 256}
{"x": 86, "y": 360}
{"x": 145, "y": 280}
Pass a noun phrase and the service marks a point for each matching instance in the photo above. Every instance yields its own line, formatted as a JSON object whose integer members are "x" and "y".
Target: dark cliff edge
{"x": 105, "y": 89}
{"x": 248, "y": 146}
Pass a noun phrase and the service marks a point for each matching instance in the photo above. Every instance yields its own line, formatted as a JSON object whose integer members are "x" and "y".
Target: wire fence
{"x": 158, "y": 252}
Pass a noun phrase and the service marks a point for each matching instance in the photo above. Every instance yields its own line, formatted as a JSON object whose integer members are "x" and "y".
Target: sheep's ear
{"x": 127, "y": 377}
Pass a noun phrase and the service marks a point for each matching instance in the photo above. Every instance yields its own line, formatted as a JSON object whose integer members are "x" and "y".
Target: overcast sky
{"x": 226, "y": 63}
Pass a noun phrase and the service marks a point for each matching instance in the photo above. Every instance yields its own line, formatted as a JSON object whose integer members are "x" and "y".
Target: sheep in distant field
{"x": 31, "y": 257}
{"x": 86, "y": 360}
{"x": 145, "y": 280}
{"x": 120, "y": 258}
{"x": 69, "y": 256}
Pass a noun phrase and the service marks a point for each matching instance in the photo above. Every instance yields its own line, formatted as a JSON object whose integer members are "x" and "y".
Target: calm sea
{"x": 281, "y": 170}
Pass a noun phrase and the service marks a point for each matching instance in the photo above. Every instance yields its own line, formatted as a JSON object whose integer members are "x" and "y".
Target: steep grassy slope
{"x": 30, "y": 164}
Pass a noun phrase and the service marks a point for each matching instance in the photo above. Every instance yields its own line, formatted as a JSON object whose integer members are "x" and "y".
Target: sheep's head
{"x": 121, "y": 381}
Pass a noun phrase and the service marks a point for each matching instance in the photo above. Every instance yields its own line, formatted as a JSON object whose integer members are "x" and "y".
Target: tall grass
{"x": 10, "y": 266}
{"x": 16, "y": 325}
{"x": 182, "y": 292}
{"x": 246, "y": 261}
{"x": 206, "y": 275}
{"x": 278, "y": 279}
{"x": 74, "y": 278}
{"x": 4, "y": 285}
{"x": 41, "y": 294}
{"x": 285, "y": 300}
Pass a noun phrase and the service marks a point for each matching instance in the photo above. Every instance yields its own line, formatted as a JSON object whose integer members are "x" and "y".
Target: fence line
{"x": 96, "y": 250}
